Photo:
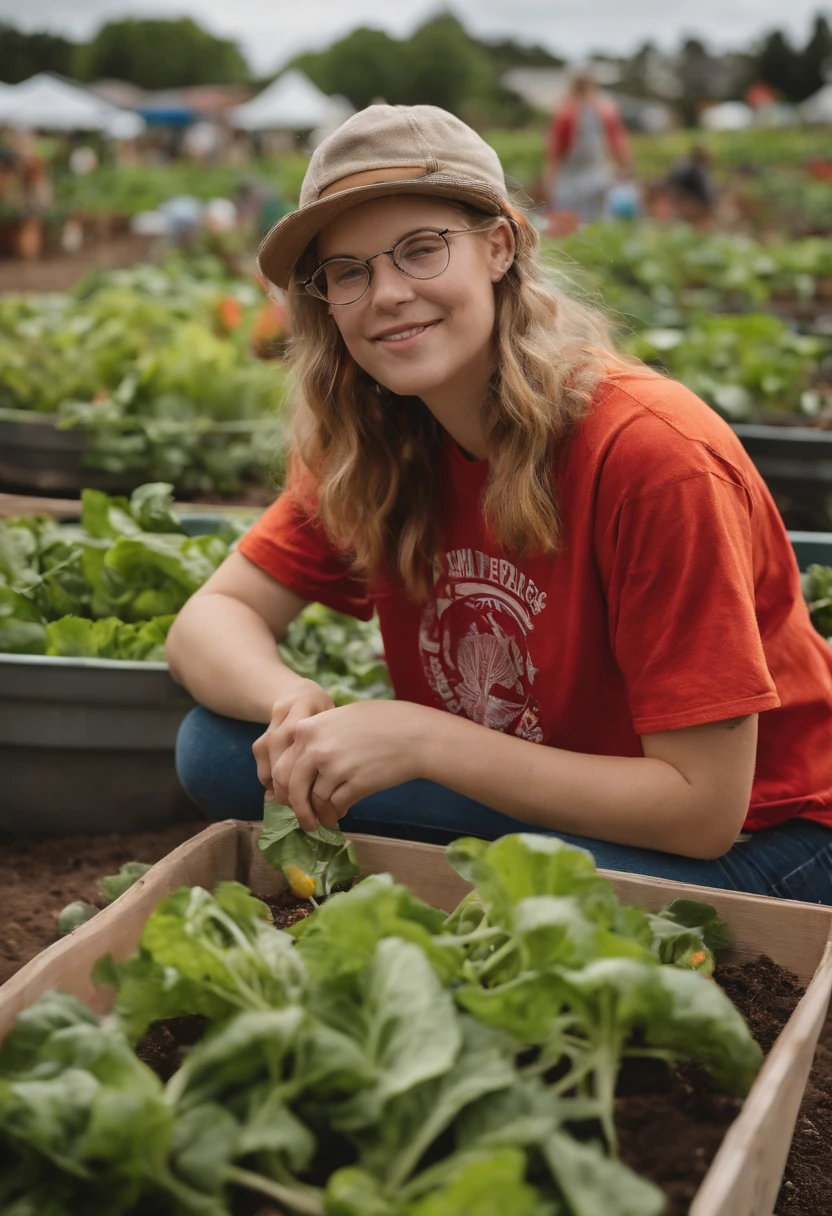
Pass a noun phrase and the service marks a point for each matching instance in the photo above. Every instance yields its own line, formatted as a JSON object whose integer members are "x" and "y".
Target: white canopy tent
{"x": 47, "y": 103}
{"x": 818, "y": 107}
{"x": 727, "y": 116}
{"x": 290, "y": 103}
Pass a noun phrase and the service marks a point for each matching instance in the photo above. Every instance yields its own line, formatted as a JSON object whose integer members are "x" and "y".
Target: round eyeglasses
{"x": 420, "y": 255}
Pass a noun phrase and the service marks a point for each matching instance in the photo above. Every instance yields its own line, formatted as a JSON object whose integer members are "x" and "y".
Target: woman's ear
{"x": 501, "y": 248}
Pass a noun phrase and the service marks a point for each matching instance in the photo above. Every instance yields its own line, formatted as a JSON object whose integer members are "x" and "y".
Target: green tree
{"x": 440, "y": 64}
{"x": 816, "y": 60}
{"x": 778, "y": 64}
{"x": 364, "y": 65}
{"x": 510, "y": 54}
{"x": 448, "y": 69}
{"x": 22, "y": 55}
{"x": 158, "y": 54}
{"x": 696, "y": 77}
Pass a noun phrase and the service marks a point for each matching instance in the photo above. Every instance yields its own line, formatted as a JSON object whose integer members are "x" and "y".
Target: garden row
{"x": 146, "y": 373}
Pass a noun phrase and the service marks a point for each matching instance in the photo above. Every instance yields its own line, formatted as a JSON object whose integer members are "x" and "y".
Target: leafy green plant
{"x": 108, "y": 587}
{"x": 156, "y": 365}
{"x": 74, "y": 915}
{"x": 817, "y": 590}
{"x": 382, "y": 1059}
{"x": 339, "y": 653}
{"x": 111, "y": 887}
{"x": 314, "y": 863}
{"x": 743, "y": 366}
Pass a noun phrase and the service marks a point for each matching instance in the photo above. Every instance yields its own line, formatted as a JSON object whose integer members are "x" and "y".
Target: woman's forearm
{"x": 639, "y": 801}
{"x": 224, "y": 653}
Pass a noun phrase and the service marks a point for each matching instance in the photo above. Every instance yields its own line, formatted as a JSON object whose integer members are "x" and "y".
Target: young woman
{"x": 591, "y": 611}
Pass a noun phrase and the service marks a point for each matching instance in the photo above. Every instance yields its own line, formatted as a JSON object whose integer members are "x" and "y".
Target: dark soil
{"x": 672, "y": 1121}
{"x": 62, "y": 271}
{"x": 286, "y": 909}
{"x": 166, "y": 1043}
{"x": 39, "y": 877}
{"x": 808, "y": 1177}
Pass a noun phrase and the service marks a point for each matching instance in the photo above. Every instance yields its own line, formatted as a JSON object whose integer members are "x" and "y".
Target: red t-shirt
{"x": 675, "y": 600}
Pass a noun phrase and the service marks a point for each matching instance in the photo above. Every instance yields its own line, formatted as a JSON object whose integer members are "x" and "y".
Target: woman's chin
{"x": 411, "y": 385}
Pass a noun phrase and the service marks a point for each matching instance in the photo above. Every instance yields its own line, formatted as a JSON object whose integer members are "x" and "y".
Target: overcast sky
{"x": 270, "y": 31}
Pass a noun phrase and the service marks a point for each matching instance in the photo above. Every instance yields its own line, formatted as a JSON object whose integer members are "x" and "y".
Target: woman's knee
{"x": 216, "y": 767}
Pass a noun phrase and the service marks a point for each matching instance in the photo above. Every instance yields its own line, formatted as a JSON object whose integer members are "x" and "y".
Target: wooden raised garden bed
{"x": 37, "y": 456}
{"x": 745, "y": 1175}
{"x": 796, "y": 465}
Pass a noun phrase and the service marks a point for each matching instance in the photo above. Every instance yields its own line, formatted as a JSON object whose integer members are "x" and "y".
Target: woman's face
{"x": 416, "y": 336}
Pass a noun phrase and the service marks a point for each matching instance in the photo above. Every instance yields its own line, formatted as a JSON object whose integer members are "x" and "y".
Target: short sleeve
{"x": 681, "y": 605}
{"x": 295, "y": 550}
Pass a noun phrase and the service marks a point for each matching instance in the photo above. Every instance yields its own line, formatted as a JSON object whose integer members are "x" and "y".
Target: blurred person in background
{"x": 587, "y": 140}
{"x": 691, "y": 187}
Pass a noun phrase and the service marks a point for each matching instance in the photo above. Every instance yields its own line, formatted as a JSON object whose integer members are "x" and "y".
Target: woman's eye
{"x": 423, "y": 250}
{"x": 347, "y": 274}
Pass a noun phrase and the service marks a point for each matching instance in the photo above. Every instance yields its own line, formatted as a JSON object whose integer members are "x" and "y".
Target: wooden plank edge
{"x": 70, "y": 508}
{"x": 138, "y": 902}
{"x": 788, "y": 1065}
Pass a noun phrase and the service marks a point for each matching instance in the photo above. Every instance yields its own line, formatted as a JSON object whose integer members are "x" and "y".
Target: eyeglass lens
{"x": 422, "y": 255}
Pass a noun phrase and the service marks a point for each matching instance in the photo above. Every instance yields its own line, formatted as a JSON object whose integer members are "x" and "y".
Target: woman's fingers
{"x": 281, "y": 774}
{"x": 326, "y": 812}
{"x": 262, "y": 757}
{"x": 299, "y": 789}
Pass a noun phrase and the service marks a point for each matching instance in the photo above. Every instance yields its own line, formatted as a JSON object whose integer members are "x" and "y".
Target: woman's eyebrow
{"x": 398, "y": 240}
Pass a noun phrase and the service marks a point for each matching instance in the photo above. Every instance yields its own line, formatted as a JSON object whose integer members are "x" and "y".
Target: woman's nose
{"x": 389, "y": 285}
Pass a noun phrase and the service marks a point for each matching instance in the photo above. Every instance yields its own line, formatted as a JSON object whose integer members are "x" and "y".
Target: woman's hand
{"x": 305, "y": 700}
{"x": 344, "y": 754}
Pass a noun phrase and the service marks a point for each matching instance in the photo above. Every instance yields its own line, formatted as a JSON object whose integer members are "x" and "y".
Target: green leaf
{"x": 22, "y": 637}
{"x": 115, "y": 885}
{"x": 74, "y": 915}
{"x": 418, "y": 1116}
{"x": 103, "y": 516}
{"x": 554, "y": 930}
{"x": 34, "y": 1025}
{"x": 342, "y": 935}
{"x": 205, "y": 954}
{"x": 412, "y": 1032}
{"x": 323, "y": 854}
{"x": 151, "y": 505}
{"x": 492, "y": 1187}
{"x": 355, "y": 1192}
{"x": 268, "y": 1125}
{"x": 700, "y": 1021}
{"x": 250, "y": 1047}
{"x": 595, "y": 1185}
{"x": 525, "y": 1007}
{"x": 204, "y": 1144}
{"x": 147, "y": 992}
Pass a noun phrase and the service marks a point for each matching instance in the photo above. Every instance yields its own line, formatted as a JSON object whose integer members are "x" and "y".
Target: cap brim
{"x": 285, "y": 242}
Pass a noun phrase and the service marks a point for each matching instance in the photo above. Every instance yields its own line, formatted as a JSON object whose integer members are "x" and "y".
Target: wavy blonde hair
{"x": 374, "y": 458}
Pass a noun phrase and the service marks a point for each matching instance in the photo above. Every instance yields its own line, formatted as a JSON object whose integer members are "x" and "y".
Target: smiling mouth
{"x": 406, "y": 333}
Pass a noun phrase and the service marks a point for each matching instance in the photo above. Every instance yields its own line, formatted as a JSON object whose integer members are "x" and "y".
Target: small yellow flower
{"x": 301, "y": 884}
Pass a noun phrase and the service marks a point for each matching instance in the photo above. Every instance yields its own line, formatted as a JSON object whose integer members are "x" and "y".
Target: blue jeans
{"x": 216, "y": 766}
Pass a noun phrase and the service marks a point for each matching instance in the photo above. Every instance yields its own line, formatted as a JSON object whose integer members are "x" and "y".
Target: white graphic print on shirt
{"x": 473, "y": 641}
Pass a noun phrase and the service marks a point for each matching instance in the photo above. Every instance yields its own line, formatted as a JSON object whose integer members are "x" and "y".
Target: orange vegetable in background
{"x": 230, "y": 313}
{"x": 271, "y": 327}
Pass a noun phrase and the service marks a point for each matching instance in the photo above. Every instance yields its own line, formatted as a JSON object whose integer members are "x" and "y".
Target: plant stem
{"x": 307, "y": 1203}
{"x": 498, "y": 956}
